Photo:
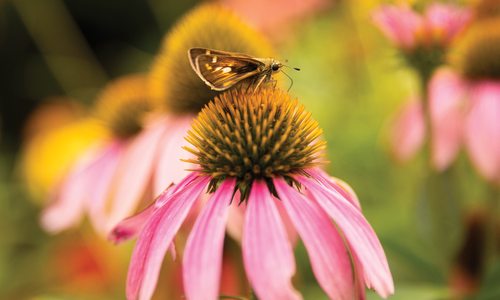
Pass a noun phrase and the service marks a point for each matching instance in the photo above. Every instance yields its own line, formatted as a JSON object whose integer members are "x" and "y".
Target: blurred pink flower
{"x": 482, "y": 129}
{"x": 408, "y": 29}
{"x": 271, "y": 16}
{"x": 407, "y": 131}
{"x": 99, "y": 186}
{"x": 461, "y": 113}
{"x": 267, "y": 251}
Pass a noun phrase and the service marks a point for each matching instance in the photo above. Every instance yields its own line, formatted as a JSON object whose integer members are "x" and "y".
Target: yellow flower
{"x": 49, "y": 155}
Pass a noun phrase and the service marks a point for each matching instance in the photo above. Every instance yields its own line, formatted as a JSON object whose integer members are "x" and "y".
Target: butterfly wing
{"x": 221, "y": 71}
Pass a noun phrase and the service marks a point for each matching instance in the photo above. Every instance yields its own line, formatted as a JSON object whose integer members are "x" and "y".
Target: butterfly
{"x": 221, "y": 70}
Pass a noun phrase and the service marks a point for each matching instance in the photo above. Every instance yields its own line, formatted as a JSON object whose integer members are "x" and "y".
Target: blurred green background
{"x": 351, "y": 79}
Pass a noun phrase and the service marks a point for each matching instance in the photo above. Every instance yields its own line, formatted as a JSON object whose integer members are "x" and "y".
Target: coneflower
{"x": 423, "y": 38}
{"x": 464, "y": 104}
{"x": 179, "y": 92}
{"x": 121, "y": 108}
{"x": 259, "y": 152}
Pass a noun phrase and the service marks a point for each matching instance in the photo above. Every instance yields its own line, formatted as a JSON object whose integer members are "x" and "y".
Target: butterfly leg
{"x": 259, "y": 82}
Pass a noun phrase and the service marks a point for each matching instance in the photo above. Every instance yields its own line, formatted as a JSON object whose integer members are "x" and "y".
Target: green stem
{"x": 427, "y": 148}
{"x": 492, "y": 242}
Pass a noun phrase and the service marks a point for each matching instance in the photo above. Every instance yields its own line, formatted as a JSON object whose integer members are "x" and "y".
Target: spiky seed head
{"x": 123, "y": 103}
{"x": 251, "y": 136}
{"x": 477, "y": 53}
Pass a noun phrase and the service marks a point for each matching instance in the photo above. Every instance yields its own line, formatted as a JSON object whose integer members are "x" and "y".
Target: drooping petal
{"x": 407, "y": 131}
{"x": 267, "y": 253}
{"x": 156, "y": 237}
{"x": 362, "y": 240}
{"x": 203, "y": 254}
{"x": 339, "y": 185}
{"x": 291, "y": 232}
{"x": 482, "y": 133}
{"x": 446, "y": 103}
{"x": 100, "y": 177}
{"x": 169, "y": 167}
{"x": 73, "y": 194}
{"x": 398, "y": 23}
{"x": 330, "y": 260}
{"x": 131, "y": 226}
{"x": 134, "y": 173}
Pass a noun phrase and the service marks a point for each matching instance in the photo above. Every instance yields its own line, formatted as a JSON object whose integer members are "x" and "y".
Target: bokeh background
{"x": 56, "y": 55}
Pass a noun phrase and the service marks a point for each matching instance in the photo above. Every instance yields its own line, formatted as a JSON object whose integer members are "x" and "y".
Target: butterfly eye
{"x": 275, "y": 67}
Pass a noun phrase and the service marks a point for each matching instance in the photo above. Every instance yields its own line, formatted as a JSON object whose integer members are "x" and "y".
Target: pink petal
{"x": 134, "y": 173}
{"x": 447, "y": 19}
{"x": 267, "y": 253}
{"x": 330, "y": 260}
{"x": 156, "y": 237}
{"x": 98, "y": 191}
{"x": 203, "y": 253}
{"x": 73, "y": 195}
{"x": 408, "y": 131}
{"x": 362, "y": 239}
{"x": 131, "y": 226}
{"x": 337, "y": 184}
{"x": 446, "y": 102}
{"x": 291, "y": 232}
{"x": 399, "y": 23}
{"x": 482, "y": 132}
{"x": 169, "y": 167}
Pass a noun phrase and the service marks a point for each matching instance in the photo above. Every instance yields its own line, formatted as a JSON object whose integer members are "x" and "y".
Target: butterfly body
{"x": 221, "y": 70}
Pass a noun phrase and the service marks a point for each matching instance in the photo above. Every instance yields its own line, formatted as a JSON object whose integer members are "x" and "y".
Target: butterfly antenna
{"x": 296, "y": 69}
{"x": 291, "y": 80}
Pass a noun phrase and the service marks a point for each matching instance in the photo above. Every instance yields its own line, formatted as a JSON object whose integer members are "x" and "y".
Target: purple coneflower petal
{"x": 203, "y": 253}
{"x": 267, "y": 252}
{"x": 130, "y": 227}
{"x": 170, "y": 168}
{"x": 77, "y": 191}
{"x": 100, "y": 177}
{"x": 408, "y": 131}
{"x": 134, "y": 173}
{"x": 482, "y": 130}
{"x": 398, "y": 23}
{"x": 446, "y": 104}
{"x": 330, "y": 260}
{"x": 337, "y": 184}
{"x": 362, "y": 239}
{"x": 449, "y": 19}
{"x": 155, "y": 238}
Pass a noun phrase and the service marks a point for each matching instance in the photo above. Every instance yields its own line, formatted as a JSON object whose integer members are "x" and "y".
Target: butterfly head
{"x": 276, "y": 66}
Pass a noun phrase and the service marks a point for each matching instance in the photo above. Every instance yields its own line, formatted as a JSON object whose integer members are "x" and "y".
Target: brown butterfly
{"x": 221, "y": 70}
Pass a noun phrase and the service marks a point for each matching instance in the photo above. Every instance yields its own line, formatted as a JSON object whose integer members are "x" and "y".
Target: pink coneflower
{"x": 97, "y": 182}
{"x": 462, "y": 113}
{"x": 153, "y": 153}
{"x": 258, "y": 153}
{"x": 408, "y": 29}
{"x": 445, "y": 110}
{"x": 422, "y": 38}
{"x": 272, "y": 17}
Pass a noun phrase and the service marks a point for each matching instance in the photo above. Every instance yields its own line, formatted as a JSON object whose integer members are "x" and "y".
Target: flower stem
{"x": 492, "y": 229}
